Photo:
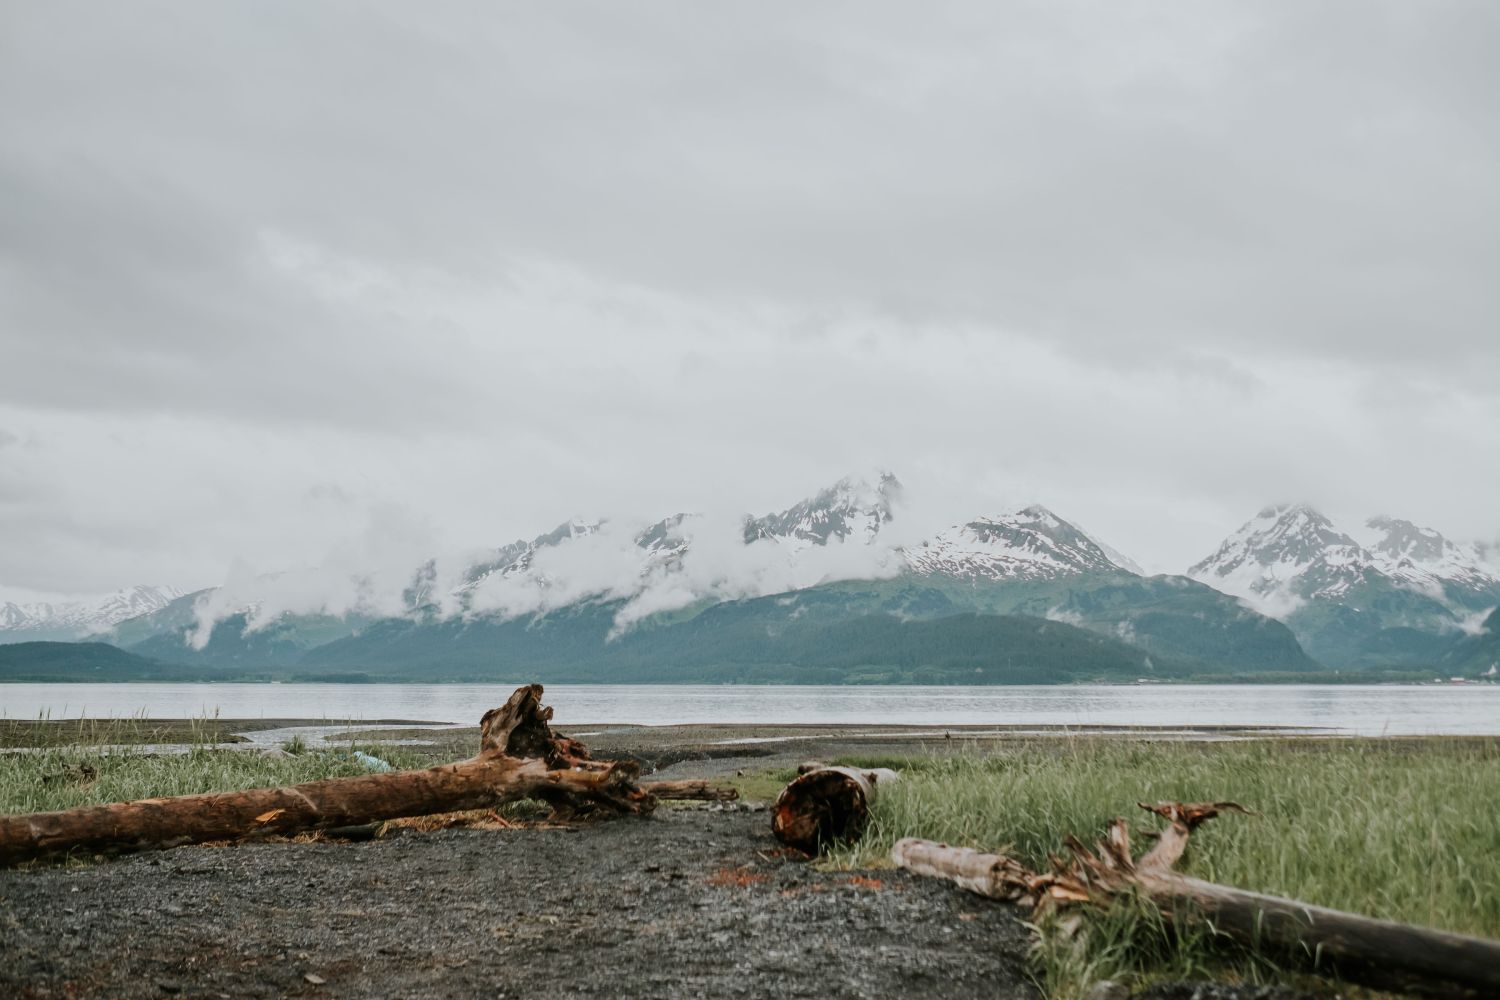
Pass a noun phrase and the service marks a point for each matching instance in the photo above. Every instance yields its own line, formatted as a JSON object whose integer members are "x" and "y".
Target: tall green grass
{"x": 1405, "y": 830}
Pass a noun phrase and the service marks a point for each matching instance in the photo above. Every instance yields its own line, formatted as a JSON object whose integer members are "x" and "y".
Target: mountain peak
{"x": 850, "y": 509}
{"x": 1029, "y": 544}
{"x": 1293, "y": 514}
{"x": 1283, "y": 556}
{"x": 1422, "y": 559}
{"x": 1291, "y": 553}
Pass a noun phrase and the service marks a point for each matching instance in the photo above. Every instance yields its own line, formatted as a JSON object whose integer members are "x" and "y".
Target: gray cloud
{"x": 270, "y": 269}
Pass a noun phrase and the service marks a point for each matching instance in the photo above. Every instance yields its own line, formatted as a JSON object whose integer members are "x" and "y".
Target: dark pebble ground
{"x": 688, "y": 903}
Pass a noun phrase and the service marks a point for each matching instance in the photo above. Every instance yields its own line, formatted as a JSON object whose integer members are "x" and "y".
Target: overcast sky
{"x": 289, "y": 282}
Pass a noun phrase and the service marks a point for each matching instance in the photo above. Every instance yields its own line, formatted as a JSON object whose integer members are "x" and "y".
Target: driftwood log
{"x": 826, "y": 805}
{"x": 1379, "y": 953}
{"x": 519, "y": 758}
{"x": 691, "y": 788}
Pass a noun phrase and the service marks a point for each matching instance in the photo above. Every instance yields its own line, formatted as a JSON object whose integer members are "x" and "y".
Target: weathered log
{"x": 1360, "y": 949}
{"x": 691, "y": 789}
{"x": 826, "y": 805}
{"x": 519, "y": 758}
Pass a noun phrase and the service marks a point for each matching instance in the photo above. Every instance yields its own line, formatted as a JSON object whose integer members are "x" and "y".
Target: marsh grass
{"x": 111, "y": 761}
{"x": 1407, "y": 830}
{"x": 132, "y": 730}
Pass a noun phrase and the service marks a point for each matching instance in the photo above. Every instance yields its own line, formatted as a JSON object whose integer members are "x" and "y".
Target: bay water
{"x": 1384, "y": 710}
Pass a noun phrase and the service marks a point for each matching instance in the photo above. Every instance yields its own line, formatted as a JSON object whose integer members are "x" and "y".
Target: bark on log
{"x": 691, "y": 789}
{"x": 519, "y": 758}
{"x": 1379, "y": 953}
{"x": 826, "y": 805}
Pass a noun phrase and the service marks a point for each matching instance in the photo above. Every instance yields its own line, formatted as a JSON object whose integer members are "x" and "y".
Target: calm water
{"x": 1369, "y": 711}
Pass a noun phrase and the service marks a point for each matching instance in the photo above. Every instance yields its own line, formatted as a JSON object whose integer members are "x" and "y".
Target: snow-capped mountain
{"x": 659, "y": 548}
{"x": 648, "y": 566}
{"x": 830, "y": 561}
{"x": 665, "y": 543}
{"x": 849, "y": 510}
{"x": 1292, "y": 554}
{"x": 1421, "y": 558}
{"x": 517, "y": 557}
{"x": 1030, "y": 544}
{"x": 1284, "y": 556}
{"x": 1402, "y": 599}
{"x": 75, "y": 619}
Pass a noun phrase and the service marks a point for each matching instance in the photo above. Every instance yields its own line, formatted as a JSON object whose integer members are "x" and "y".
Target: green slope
{"x": 82, "y": 661}
{"x": 1170, "y": 617}
{"x": 931, "y": 629}
{"x": 741, "y": 642}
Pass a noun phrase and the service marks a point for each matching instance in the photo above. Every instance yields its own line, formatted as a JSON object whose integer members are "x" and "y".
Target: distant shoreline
{"x": 1321, "y": 680}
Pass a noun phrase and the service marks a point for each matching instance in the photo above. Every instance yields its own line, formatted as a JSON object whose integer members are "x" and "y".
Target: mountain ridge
{"x": 46, "y": 620}
{"x": 1287, "y": 584}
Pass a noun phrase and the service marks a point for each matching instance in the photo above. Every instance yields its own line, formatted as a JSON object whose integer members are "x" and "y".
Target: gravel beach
{"x": 688, "y": 903}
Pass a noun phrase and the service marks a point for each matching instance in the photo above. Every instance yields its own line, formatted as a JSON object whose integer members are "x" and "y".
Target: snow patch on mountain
{"x": 1114, "y": 555}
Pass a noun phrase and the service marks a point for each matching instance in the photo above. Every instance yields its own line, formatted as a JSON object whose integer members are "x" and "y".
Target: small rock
{"x": 1107, "y": 989}
{"x": 315, "y": 979}
{"x": 169, "y": 987}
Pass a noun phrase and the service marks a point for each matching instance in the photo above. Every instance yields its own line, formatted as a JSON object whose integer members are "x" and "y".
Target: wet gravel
{"x": 689, "y": 903}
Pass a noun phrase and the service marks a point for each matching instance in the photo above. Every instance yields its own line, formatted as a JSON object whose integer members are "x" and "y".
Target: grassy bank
{"x": 1401, "y": 829}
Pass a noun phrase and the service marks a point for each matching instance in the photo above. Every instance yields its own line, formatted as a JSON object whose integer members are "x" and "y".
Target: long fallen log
{"x": 519, "y": 758}
{"x": 826, "y": 805}
{"x": 1379, "y": 953}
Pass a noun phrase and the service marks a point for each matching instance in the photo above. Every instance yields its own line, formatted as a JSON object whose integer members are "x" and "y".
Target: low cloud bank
{"x": 385, "y": 573}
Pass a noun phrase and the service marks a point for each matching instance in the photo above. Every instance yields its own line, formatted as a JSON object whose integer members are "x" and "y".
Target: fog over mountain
{"x": 325, "y": 292}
